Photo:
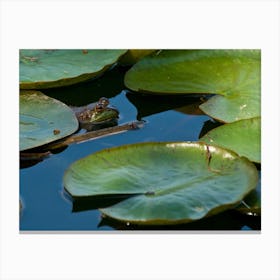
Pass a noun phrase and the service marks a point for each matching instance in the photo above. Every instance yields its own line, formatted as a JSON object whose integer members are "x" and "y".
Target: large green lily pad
{"x": 168, "y": 182}
{"x": 242, "y": 137}
{"x": 54, "y": 68}
{"x": 43, "y": 120}
{"x": 232, "y": 74}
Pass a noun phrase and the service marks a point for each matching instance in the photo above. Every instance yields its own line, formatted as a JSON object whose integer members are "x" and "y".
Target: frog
{"x": 97, "y": 115}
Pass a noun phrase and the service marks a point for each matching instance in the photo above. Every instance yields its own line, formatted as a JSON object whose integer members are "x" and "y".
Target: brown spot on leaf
{"x": 56, "y": 131}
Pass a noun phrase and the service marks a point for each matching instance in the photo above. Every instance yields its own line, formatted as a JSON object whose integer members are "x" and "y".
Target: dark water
{"x": 45, "y": 204}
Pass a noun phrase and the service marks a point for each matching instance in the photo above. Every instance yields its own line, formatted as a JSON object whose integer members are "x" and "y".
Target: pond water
{"x": 46, "y": 206}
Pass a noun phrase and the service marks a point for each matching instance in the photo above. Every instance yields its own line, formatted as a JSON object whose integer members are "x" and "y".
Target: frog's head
{"x": 102, "y": 112}
{"x": 104, "y": 115}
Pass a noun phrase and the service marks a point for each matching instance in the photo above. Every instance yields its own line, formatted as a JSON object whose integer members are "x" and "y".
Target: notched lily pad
{"x": 242, "y": 137}
{"x": 43, "y": 120}
{"x": 55, "y": 68}
{"x": 169, "y": 182}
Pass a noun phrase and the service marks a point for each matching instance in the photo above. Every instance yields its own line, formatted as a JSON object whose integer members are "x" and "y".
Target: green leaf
{"x": 169, "y": 182}
{"x": 232, "y": 74}
{"x": 43, "y": 120}
{"x": 242, "y": 137}
{"x": 55, "y": 68}
{"x": 233, "y": 107}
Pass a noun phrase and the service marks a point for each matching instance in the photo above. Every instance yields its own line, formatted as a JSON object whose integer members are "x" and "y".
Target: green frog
{"x": 97, "y": 115}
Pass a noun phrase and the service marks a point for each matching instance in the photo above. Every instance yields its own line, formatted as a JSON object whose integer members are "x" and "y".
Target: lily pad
{"x": 242, "y": 137}
{"x": 169, "y": 182}
{"x": 43, "y": 120}
{"x": 55, "y": 68}
{"x": 232, "y": 74}
{"x": 233, "y": 107}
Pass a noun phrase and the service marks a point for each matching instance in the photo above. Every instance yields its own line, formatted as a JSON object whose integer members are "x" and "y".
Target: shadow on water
{"x": 228, "y": 220}
{"x": 109, "y": 85}
{"x": 152, "y": 104}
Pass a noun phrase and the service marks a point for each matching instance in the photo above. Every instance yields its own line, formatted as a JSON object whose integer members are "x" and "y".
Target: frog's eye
{"x": 104, "y": 101}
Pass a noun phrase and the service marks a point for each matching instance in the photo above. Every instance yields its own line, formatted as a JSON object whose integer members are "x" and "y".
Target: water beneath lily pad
{"x": 46, "y": 206}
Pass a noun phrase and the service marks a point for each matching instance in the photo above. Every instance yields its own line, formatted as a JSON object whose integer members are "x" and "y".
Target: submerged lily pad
{"x": 43, "y": 120}
{"x": 232, "y": 74}
{"x": 55, "y": 68}
{"x": 242, "y": 137}
{"x": 169, "y": 182}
